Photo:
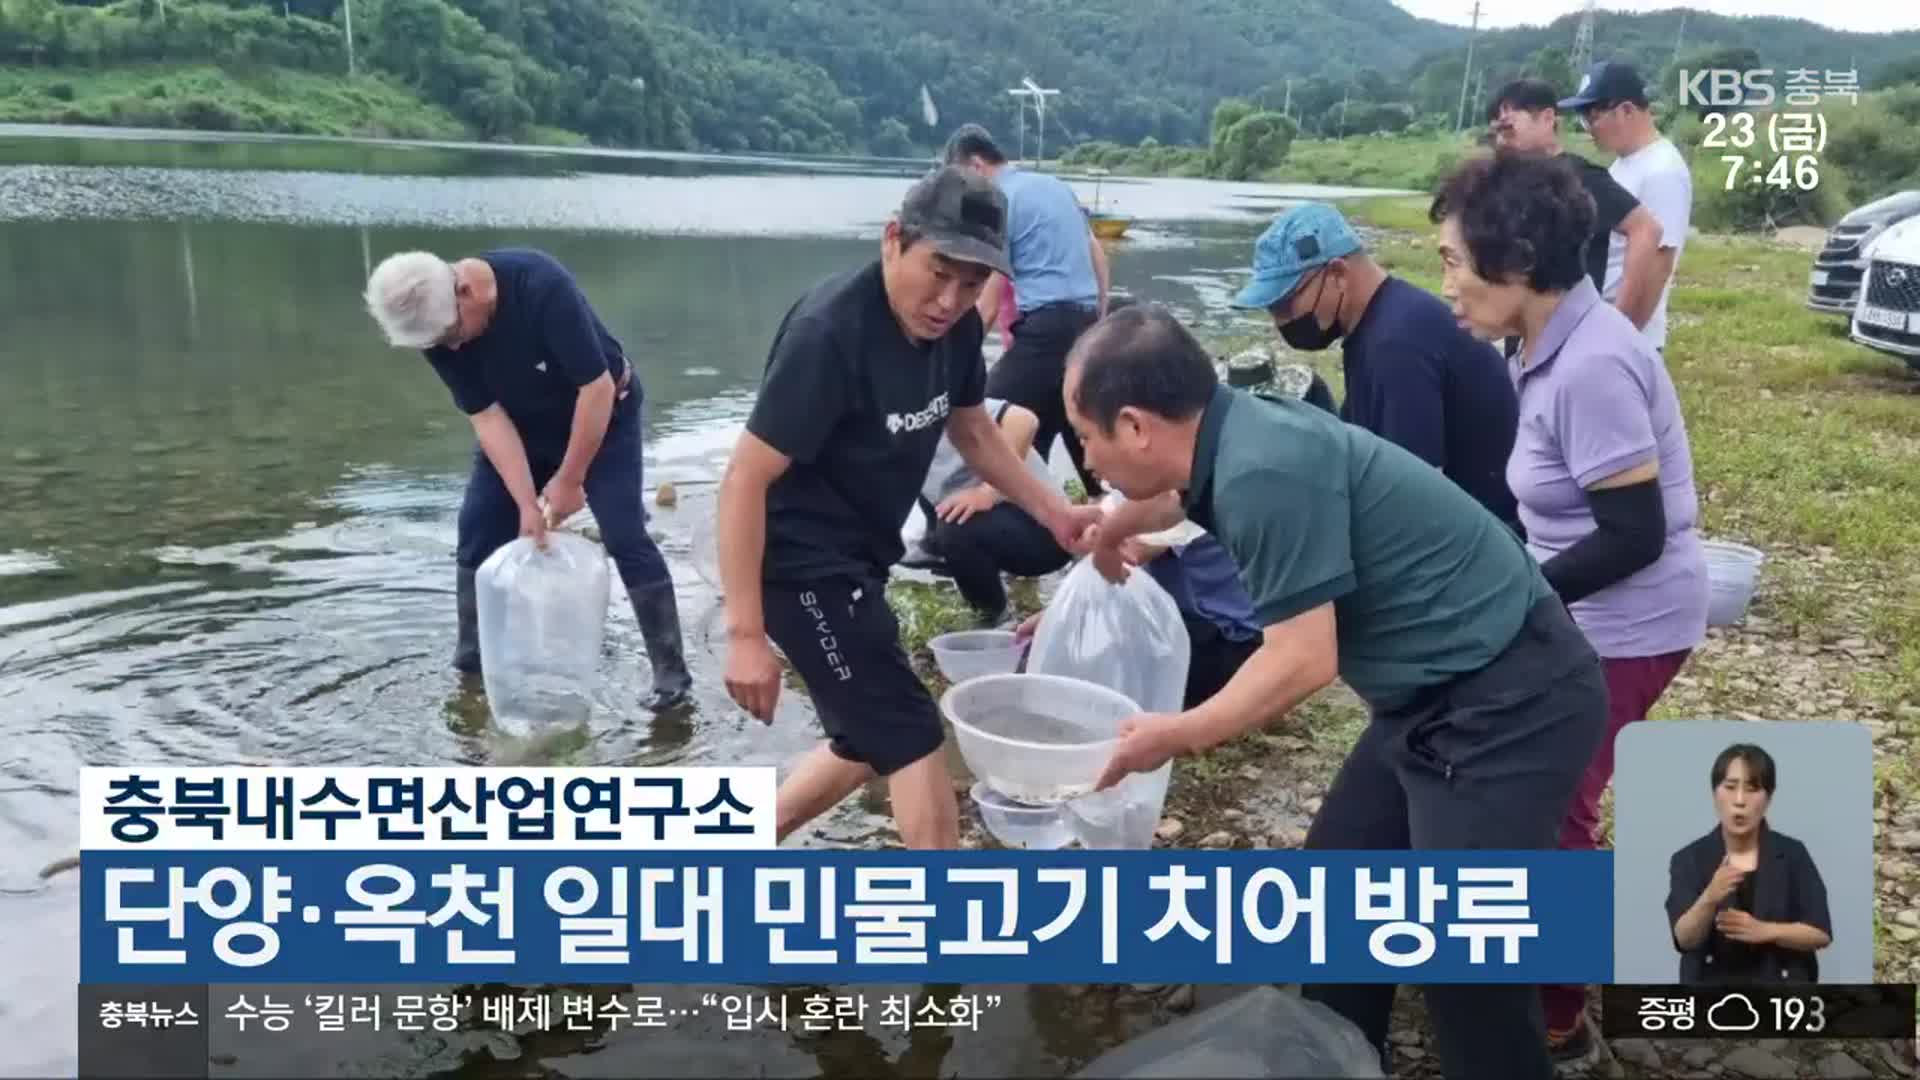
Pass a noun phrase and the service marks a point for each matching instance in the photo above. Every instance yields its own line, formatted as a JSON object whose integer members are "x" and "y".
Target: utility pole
{"x": 1460, "y": 118}
{"x": 1022, "y": 95}
{"x": 1040, "y": 106}
{"x": 349, "y": 6}
{"x": 1583, "y": 42}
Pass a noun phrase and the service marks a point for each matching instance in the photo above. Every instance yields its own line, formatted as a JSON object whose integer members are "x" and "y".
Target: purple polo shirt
{"x": 1596, "y": 400}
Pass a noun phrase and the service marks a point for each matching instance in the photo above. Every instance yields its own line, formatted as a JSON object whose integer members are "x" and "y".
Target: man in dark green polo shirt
{"x": 1365, "y": 563}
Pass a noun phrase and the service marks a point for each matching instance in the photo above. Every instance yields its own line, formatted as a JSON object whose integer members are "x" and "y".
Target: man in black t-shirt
{"x": 1523, "y": 118}
{"x": 866, "y": 372}
{"x": 556, "y": 415}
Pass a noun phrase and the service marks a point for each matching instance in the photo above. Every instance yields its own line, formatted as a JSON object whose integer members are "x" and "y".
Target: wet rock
{"x": 1412, "y": 1053}
{"x": 1291, "y": 838}
{"x": 1170, "y": 829}
{"x": 1311, "y": 806}
{"x": 1181, "y": 1000}
{"x": 1838, "y": 1066}
{"x": 1404, "y": 1037}
{"x": 667, "y": 495}
{"x": 1759, "y": 1064}
{"x": 1638, "y": 1051}
{"x": 1219, "y": 839}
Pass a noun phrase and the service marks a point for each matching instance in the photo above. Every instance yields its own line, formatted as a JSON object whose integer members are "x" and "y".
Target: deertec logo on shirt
{"x": 935, "y": 411}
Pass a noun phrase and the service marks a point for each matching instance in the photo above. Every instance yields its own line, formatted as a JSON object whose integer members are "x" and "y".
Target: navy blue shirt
{"x": 542, "y": 345}
{"x": 1204, "y": 581}
{"x": 1415, "y": 378}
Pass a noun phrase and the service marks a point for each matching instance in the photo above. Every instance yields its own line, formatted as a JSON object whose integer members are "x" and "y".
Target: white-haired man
{"x": 556, "y": 415}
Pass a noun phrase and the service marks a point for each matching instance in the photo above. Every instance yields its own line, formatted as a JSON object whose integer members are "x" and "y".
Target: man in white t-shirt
{"x": 1611, "y": 103}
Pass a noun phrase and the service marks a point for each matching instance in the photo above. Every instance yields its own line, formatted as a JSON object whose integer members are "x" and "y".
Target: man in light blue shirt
{"x": 1059, "y": 282}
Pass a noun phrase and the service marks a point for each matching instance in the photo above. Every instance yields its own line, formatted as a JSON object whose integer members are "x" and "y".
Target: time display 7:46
{"x": 1787, "y": 172}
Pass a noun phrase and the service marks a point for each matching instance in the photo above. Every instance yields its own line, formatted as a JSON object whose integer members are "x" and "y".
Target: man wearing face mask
{"x": 1414, "y": 376}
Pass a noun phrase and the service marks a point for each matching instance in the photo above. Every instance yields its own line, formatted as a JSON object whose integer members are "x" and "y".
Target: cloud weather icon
{"x": 1733, "y": 1013}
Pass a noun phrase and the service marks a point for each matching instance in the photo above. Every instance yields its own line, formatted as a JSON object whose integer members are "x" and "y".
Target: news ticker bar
{"x": 1742, "y": 1011}
{"x": 169, "y": 1030}
{"x": 300, "y": 1030}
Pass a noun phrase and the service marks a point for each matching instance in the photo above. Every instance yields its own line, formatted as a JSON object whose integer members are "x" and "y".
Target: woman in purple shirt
{"x": 1600, "y": 464}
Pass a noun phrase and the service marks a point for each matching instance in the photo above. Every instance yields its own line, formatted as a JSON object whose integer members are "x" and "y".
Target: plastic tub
{"x": 970, "y": 654}
{"x": 1017, "y": 825}
{"x": 1124, "y": 816}
{"x": 1037, "y": 739}
{"x": 1732, "y": 572}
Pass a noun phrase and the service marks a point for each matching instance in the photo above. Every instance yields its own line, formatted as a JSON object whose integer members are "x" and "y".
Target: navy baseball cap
{"x": 1604, "y": 82}
{"x": 1307, "y": 236}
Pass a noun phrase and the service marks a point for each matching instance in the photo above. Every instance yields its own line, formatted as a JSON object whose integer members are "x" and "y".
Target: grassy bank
{"x": 208, "y": 98}
{"x": 1398, "y": 162}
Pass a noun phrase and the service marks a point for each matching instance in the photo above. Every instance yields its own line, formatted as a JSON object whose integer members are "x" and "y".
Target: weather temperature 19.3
{"x": 1799, "y": 1015}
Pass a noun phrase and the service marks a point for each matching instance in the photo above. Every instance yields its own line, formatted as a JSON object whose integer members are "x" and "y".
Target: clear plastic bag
{"x": 1127, "y": 637}
{"x": 1130, "y": 638}
{"x": 1266, "y": 1032}
{"x": 543, "y": 617}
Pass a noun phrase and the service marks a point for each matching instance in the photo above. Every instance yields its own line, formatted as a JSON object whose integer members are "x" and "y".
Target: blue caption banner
{"x": 774, "y": 917}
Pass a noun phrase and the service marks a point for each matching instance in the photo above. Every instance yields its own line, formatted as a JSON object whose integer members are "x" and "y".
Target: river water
{"x": 227, "y": 510}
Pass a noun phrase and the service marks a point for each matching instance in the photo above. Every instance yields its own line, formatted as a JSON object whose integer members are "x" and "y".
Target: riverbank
{"x": 1390, "y": 162}
{"x": 1806, "y": 446}
{"x": 205, "y": 97}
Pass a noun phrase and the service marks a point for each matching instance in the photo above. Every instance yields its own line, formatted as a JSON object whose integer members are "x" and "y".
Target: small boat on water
{"x": 1106, "y": 226}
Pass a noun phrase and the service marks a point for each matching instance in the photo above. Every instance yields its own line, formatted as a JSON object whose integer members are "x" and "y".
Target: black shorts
{"x": 843, "y": 639}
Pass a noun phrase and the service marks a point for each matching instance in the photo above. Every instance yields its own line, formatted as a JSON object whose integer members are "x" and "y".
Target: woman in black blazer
{"x": 1746, "y": 903}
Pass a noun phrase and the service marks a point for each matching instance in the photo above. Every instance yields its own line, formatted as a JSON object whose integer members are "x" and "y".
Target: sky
{"x": 1869, "y": 16}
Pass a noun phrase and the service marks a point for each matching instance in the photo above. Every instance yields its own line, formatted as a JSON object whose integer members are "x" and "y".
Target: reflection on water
{"x": 230, "y": 509}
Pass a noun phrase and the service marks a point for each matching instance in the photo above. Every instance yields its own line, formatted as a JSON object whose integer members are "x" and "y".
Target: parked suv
{"x": 1835, "y": 281}
{"x": 1888, "y": 315}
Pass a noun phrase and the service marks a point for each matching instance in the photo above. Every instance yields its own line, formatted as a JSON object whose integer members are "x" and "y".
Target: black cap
{"x": 962, "y": 213}
{"x": 1606, "y": 82}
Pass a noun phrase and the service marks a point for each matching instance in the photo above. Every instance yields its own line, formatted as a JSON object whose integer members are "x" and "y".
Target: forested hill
{"x": 806, "y": 76}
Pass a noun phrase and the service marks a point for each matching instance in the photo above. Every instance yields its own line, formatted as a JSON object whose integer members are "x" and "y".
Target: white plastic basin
{"x": 1732, "y": 572}
{"x": 1017, "y": 825}
{"x": 1037, "y": 739}
{"x": 969, "y": 654}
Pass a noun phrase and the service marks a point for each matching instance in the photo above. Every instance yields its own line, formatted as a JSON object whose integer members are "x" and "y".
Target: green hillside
{"x": 806, "y": 76}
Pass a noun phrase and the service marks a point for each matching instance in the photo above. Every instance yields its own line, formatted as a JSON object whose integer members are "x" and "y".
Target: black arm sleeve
{"x": 1630, "y": 531}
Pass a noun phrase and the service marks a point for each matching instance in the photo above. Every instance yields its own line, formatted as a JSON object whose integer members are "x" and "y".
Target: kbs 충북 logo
{"x": 1795, "y": 135}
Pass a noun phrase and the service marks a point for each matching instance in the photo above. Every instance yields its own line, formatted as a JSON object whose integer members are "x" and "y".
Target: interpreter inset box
{"x": 1743, "y": 853}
